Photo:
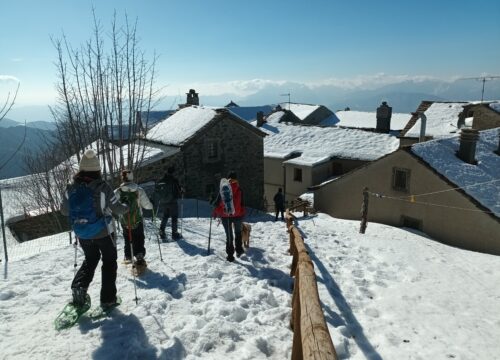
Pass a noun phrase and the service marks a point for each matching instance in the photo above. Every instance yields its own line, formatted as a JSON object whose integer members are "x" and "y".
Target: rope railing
{"x": 311, "y": 338}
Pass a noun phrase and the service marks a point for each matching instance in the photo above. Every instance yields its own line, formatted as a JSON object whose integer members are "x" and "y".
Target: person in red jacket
{"x": 231, "y": 220}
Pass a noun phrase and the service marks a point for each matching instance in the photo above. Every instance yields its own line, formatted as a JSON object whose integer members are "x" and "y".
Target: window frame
{"x": 407, "y": 174}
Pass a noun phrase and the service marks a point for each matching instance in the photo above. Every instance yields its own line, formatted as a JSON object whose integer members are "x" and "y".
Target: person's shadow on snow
{"x": 154, "y": 280}
{"x": 260, "y": 270}
{"x": 190, "y": 249}
{"x": 122, "y": 337}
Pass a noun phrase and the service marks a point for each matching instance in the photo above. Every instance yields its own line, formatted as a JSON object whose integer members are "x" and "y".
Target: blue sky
{"x": 226, "y": 44}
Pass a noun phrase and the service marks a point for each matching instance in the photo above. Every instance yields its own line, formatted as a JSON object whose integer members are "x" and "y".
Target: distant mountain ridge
{"x": 42, "y": 125}
{"x": 403, "y": 96}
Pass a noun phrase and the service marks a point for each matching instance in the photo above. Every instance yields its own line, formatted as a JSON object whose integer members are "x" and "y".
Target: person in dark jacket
{"x": 279, "y": 204}
{"x": 90, "y": 203}
{"x": 167, "y": 192}
{"x": 230, "y": 221}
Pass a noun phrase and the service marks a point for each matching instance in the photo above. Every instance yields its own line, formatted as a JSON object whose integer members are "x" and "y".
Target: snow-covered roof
{"x": 249, "y": 113}
{"x": 145, "y": 153}
{"x": 481, "y": 181}
{"x": 317, "y": 144}
{"x": 302, "y": 111}
{"x": 442, "y": 120}
{"x": 365, "y": 119}
{"x": 181, "y": 126}
{"x": 495, "y": 106}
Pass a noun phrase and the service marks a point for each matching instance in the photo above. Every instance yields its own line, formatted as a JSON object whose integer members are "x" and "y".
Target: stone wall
{"x": 34, "y": 227}
{"x": 485, "y": 118}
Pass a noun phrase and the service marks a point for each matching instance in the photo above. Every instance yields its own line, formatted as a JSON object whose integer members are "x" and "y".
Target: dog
{"x": 246, "y": 228}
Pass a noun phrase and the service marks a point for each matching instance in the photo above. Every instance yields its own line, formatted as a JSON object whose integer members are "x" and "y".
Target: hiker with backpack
{"x": 135, "y": 198}
{"x": 167, "y": 192}
{"x": 90, "y": 203}
{"x": 229, "y": 207}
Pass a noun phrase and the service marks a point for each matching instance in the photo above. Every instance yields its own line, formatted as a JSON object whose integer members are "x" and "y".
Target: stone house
{"x": 448, "y": 188}
{"x": 297, "y": 157}
{"x": 484, "y": 116}
{"x": 203, "y": 145}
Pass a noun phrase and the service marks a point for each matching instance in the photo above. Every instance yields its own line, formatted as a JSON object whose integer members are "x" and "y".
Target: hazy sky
{"x": 225, "y": 45}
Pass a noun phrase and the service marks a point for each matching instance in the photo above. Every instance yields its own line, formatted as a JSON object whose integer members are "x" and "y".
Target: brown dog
{"x": 246, "y": 228}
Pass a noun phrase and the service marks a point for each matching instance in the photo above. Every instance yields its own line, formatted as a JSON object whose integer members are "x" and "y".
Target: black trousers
{"x": 232, "y": 241}
{"x": 137, "y": 241}
{"x": 170, "y": 210}
{"x": 94, "y": 249}
{"x": 280, "y": 209}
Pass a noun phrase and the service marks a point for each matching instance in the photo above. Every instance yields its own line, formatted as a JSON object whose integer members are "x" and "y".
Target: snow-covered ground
{"x": 388, "y": 294}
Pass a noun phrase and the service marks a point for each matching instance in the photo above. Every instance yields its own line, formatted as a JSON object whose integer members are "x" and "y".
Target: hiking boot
{"x": 127, "y": 260}
{"x": 230, "y": 258}
{"x": 79, "y": 296}
{"x": 162, "y": 233}
{"x": 109, "y": 305}
{"x": 238, "y": 253}
{"x": 176, "y": 236}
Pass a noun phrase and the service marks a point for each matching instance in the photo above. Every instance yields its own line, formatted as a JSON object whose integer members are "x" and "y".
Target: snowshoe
{"x": 71, "y": 313}
{"x": 103, "y": 310}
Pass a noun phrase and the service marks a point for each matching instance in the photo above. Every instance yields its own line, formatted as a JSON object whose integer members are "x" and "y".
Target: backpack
{"x": 167, "y": 191}
{"x": 134, "y": 215}
{"x": 83, "y": 216}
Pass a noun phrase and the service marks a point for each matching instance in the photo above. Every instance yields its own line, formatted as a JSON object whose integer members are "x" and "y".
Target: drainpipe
{"x": 284, "y": 184}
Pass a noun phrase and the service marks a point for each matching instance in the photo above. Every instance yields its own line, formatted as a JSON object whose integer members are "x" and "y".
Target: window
{"x": 337, "y": 169}
{"x": 212, "y": 150}
{"x": 401, "y": 179}
{"x": 411, "y": 223}
{"x": 297, "y": 174}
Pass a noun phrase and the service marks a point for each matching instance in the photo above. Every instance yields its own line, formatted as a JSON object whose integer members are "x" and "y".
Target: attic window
{"x": 401, "y": 179}
{"x": 211, "y": 151}
{"x": 297, "y": 174}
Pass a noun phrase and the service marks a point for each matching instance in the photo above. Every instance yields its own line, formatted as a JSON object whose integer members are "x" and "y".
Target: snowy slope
{"x": 388, "y": 294}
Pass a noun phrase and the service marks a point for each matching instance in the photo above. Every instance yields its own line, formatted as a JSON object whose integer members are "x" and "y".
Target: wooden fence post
{"x": 364, "y": 211}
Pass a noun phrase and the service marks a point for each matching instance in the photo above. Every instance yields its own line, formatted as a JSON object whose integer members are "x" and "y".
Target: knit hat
{"x": 127, "y": 175}
{"x": 231, "y": 175}
{"x": 90, "y": 161}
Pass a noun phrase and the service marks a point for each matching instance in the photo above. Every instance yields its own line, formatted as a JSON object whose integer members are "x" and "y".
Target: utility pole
{"x": 287, "y": 94}
{"x": 483, "y": 79}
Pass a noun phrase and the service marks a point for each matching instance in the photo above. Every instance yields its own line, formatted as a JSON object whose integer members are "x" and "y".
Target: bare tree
{"x": 101, "y": 91}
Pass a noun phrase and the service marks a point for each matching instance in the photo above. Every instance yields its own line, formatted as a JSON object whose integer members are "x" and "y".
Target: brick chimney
{"x": 192, "y": 98}
{"x": 260, "y": 119}
{"x": 384, "y": 114}
{"x": 468, "y": 141}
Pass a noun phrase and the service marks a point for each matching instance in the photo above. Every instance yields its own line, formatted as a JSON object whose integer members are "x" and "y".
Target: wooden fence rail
{"x": 311, "y": 339}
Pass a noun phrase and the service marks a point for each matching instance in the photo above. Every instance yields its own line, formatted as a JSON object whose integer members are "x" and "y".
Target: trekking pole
{"x": 132, "y": 253}
{"x": 75, "y": 245}
{"x": 209, "y": 235}
{"x": 182, "y": 209}
{"x": 157, "y": 235}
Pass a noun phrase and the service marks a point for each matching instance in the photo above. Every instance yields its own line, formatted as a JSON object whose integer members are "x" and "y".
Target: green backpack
{"x": 131, "y": 199}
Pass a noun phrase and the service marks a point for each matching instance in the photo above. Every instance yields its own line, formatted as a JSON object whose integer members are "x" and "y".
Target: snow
{"x": 481, "y": 181}
{"x": 302, "y": 111}
{"x": 318, "y": 144}
{"x": 368, "y": 120}
{"x": 442, "y": 120}
{"x": 181, "y": 126}
{"x": 390, "y": 294}
{"x": 495, "y": 106}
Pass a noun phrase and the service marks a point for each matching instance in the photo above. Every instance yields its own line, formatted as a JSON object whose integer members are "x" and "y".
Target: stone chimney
{"x": 384, "y": 114}
{"x": 260, "y": 119}
{"x": 468, "y": 141}
{"x": 192, "y": 98}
